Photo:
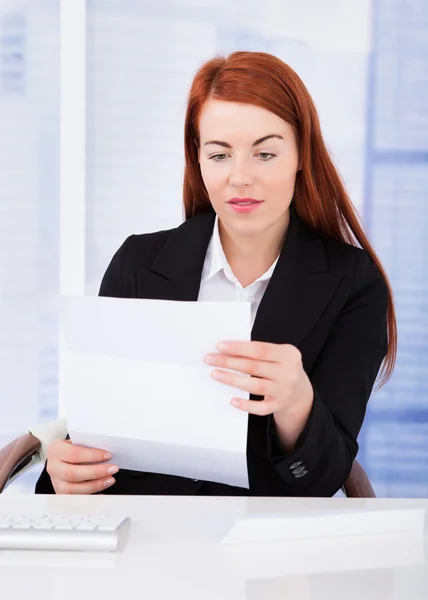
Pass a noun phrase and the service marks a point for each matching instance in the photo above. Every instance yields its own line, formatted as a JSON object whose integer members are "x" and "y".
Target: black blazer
{"x": 327, "y": 298}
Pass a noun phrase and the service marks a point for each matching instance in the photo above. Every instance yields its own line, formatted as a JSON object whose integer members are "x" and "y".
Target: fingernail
{"x": 222, "y": 346}
{"x": 112, "y": 470}
{"x": 209, "y": 360}
{"x": 108, "y": 482}
{"x": 107, "y": 456}
{"x": 235, "y": 403}
{"x": 217, "y": 375}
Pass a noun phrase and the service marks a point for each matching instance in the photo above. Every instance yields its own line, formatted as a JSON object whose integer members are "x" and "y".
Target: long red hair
{"x": 320, "y": 198}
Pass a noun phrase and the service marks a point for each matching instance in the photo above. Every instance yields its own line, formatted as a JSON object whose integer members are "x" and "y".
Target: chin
{"x": 245, "y": 227}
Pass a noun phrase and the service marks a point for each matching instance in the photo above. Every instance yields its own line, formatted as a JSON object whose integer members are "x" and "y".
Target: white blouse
{"x": 219, "y": 284}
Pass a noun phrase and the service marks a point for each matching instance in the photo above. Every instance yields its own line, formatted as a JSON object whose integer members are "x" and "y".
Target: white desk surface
{"x": 173, "y": 552}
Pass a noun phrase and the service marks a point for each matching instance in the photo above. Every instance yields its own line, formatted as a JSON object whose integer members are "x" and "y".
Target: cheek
{"x": 213, "y": 178}
{"x": 282, "y": 178}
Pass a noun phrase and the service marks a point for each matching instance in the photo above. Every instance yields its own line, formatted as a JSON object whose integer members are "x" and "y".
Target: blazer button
{"x": 298, "y": 469}
{"x": 298, "y": 474}
{"x": 301, "y": 474}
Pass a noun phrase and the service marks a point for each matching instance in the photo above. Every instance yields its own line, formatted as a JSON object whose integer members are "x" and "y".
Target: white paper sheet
{"x": 347, "y": 553}
{"x": 324, "y": 524}
{"x": 135, "y": 384}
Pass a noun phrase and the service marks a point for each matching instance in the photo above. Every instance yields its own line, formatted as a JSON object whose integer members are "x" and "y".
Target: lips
{"x": 244, "y": 201}
{"x": 244, "y": 205}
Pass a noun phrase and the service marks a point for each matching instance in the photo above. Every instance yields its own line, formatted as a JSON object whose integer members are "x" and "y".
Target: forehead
{"x": 225, "y": 119}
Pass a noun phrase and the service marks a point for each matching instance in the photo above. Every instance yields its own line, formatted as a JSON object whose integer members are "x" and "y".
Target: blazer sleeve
{"x": 112, "y": 285}
{"x": 342, "y": 378}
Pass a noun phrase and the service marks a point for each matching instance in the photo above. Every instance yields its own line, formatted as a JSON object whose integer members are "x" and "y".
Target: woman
{"x": 268, "y": 221}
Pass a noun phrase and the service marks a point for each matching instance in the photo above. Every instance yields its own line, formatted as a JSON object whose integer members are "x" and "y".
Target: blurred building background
{"x": 365, "y": 62}
{"x": 29, "y": 210}
{"x": 395, "y": 436}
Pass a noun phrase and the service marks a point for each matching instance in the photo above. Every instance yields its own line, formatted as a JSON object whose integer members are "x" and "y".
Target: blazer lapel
{"x": 177, "y": 269}
{"x": 299, "y": 290}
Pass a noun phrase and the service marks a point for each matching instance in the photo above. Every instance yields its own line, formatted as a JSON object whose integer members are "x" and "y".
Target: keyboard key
{"x": 88, "y": 526}
{"x": 43, "y": 525}
{"x": 64, "y": 526}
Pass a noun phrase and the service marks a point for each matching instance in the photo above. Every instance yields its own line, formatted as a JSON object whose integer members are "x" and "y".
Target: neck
{"x": 251, "y": 256}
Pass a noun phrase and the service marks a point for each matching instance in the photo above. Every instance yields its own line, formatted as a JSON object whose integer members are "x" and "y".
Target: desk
{"x": 173, "y": 551}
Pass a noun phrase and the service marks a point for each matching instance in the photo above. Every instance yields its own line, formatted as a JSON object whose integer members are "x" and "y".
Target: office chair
{"x": 29, "y": 449}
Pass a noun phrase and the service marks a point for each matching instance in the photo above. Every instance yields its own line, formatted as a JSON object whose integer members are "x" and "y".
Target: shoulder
{"x": 138, "y": 250}
{"x": 357, "y": 265}
{"x": 143, "y": 248}
{"x": 169, "y": 251}
{"x": 341, "y": 258}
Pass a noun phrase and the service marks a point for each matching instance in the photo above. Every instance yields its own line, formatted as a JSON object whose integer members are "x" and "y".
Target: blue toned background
{"x": 365, "y": 64}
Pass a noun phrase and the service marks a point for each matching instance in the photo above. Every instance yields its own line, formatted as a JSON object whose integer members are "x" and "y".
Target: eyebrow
{"x": 256, "y": 143}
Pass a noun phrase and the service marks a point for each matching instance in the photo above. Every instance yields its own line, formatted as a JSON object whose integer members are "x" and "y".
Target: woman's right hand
{"x": 70, "y": 473}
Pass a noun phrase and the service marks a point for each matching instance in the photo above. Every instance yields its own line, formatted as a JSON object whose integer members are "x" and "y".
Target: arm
{"x": 290, "y": 425}
{"x": 342, "y": 380}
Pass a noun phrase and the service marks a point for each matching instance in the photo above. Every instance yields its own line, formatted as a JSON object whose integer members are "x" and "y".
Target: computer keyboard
{"x": 63, "y": 532}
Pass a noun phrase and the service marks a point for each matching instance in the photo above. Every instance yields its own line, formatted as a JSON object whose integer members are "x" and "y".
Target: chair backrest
{"x": 358, "y": 484}
{"x": 16, "y": 456}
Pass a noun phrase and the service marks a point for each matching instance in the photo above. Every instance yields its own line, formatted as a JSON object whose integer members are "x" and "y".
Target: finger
{"x": 66, "y": 451}
{"x": 261, "y": 408}
{"x": 257, "y": 368}
{"x": 253, "y": 385}
{"x": 256, "y": 350}
{"x": 79, "y": 473}
{"x": 87, "y": 487}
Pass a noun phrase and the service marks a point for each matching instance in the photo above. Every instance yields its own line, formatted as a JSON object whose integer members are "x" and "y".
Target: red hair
{"x": 320, "y": 198}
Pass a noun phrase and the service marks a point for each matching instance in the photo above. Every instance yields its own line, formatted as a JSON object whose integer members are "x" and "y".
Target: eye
{"x": 266, "y": 156}
{"x": 218, "y": 157}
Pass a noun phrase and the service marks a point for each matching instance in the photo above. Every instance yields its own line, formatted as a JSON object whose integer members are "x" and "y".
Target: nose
{"x": 240, "y": 174}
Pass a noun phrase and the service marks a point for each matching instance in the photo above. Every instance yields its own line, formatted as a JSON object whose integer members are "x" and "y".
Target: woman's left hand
{"x": 277, "y": 374}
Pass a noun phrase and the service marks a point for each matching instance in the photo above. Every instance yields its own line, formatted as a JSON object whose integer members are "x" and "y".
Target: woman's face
{"x": 247, "y": 153}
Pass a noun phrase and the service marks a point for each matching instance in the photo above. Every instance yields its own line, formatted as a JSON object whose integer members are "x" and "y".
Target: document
{"x": 134, "y": 383}
{"x": 322, "y": 524}
{"x": 351, "y": 535}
